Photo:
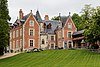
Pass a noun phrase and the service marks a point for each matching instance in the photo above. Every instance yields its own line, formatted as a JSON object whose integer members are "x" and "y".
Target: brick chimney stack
{"x": 46, "y": 17}
{"x": 21, "y": 14}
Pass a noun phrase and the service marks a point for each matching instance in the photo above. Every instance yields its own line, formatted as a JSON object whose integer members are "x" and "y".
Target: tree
{"x": 55, "y": 18}
{"x": 86, "y": 16}
{"x": 77, "y": 20}
{"x": 92, "y": 24}
{"x": 4, "y": 26}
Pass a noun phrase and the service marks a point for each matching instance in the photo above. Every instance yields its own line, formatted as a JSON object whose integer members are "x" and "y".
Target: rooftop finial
{"x": 59, "y": 17}
{"x": 17, "y": 17}
{"x": 31, "y": 11}
{"x": 69, "y": 13}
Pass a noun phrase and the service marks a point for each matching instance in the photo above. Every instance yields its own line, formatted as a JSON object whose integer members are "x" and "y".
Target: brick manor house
{"x": 31, "y": 31}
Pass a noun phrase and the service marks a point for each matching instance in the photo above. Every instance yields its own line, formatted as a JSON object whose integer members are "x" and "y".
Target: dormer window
{"x": 49, "y": 26}
{"x": 31, "y": 23}
{"x": 69, "y": 26}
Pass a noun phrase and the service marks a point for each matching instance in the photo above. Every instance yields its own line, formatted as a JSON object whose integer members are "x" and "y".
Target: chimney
{"x": 46, "y": 17}
{"x": 21, "y": 14}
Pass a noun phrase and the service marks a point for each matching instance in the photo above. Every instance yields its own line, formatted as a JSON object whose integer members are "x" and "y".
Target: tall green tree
{"x": 77, "y": 20}
{"x": 86, "y": 16}
{"x": 4, "y": 26}
{"x": 92, "y": 24}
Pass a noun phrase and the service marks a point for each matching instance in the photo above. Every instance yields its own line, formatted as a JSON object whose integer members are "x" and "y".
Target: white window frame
{"x": 17, "y": 31}
{"x": 21, "y": 32}
{"x": 13, "y": 45}
{"x": 33, "y": 42}
{"x": 67, "y": 34}
{"x": 31, "y": 22}
{"x": 13, "y": 34}
{"x": 33, "y": 31}
{"x": 21, "y": 43}
{"x": 16, "y": 43}
{"x": 69, "y": 25}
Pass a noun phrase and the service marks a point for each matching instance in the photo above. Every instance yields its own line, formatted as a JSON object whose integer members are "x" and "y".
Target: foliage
{"x": 92, "y": 25}
{"x": 55, "y": 18}
{"x": 94, "y": 46}
{"x": 4, "y": 27}
{"x": 77, "y": 20}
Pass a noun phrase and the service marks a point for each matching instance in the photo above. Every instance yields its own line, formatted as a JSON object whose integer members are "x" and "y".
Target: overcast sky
{"x": 50, "y": 7}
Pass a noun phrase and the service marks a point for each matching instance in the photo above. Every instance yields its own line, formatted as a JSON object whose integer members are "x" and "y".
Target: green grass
{"x": 53, "y": 58}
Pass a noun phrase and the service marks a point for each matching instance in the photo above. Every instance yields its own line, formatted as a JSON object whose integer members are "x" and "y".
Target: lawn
{"x": 53, "y": 58}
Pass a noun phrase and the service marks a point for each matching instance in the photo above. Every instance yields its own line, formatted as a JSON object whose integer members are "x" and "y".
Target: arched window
{"x": 69, "y": 26}
{"x": 43, "y": 41}
{"x": 31, "y": 23}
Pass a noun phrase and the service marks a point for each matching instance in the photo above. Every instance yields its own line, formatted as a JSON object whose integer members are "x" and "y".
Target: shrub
{"x": 94, "y": 46}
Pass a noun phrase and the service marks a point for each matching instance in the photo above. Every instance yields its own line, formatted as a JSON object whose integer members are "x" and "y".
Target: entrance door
{"x": 70, "y": 45}
{"x": 52, "y": 46}
{"x": 65, "y": 45}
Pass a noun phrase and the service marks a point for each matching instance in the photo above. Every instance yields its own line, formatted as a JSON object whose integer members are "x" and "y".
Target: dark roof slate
{"x": 63, "y": 20}
{"x": 53, "y": 27}
{"x": 78, "y": 32}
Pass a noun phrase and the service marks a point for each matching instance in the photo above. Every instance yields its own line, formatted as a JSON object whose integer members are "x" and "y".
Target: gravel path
{"x": 6, "y": 55}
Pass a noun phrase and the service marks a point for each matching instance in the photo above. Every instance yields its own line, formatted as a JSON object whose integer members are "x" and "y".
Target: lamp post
{"x": 82, "y": 43}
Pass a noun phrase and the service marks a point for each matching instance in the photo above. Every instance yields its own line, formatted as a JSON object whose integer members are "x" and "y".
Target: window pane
{"x": 52, "y": 37}
{"x": 31, "y": 32}
{"x": 69, "y": 34}
{"x": 42, "y": 41}
{"x": 69, "y": 25}
{"x": 31, "y": 43}
{"x": 31, "y": 23}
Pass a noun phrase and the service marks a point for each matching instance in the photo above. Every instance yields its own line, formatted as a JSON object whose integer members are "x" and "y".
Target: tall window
{"x": 17, "y": 44}
{"x": 52, "y": 37}
{"x": 20, "y": 32}
{"x": 10, "y": 45}
{"x": 31, "y": 23}
{"x": 31, "y": 32}
{"x": 21, "y": 43}
{"x": 69, "y": 25}
{"x": 69, "y": 34}
{"x": 31, "y": 43}
{"x": 13, "y": 34}
{"x": 17, "y": 33}
{"x": 52, "y": 46}
{"x": 42, "y": 41}
{"x": 59, "y": 34}
{"x": 13, "y": 46}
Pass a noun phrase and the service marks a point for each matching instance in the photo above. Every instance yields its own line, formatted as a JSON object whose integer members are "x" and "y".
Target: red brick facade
{"x": 26, "y": 33}
{"x": 67, "y": 30}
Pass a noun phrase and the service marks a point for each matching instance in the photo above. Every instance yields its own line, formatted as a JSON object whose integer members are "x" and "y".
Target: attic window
{"x": 49, "y": 26}
{"x": 69, "y": 26}
{"x": 31, "y": 23}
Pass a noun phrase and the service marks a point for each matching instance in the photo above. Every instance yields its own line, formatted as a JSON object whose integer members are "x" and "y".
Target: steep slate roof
{"x": 53, "y": 27}
{"x": 63, "y": 20}
{"x": 38, "y": 17}
{"x": 78, "y": 32}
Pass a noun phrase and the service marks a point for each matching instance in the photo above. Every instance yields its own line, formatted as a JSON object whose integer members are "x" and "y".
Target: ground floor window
{"x": 31, "y": 43}
{"x": 43, "y": 41}
{"x": 70, "y": 45}
{"x": 52, "y": 46}
{"x": 17, "y": 44}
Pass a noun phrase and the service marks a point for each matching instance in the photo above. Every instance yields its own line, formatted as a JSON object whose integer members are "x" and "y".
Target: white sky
{"x": 50, "y": 7}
